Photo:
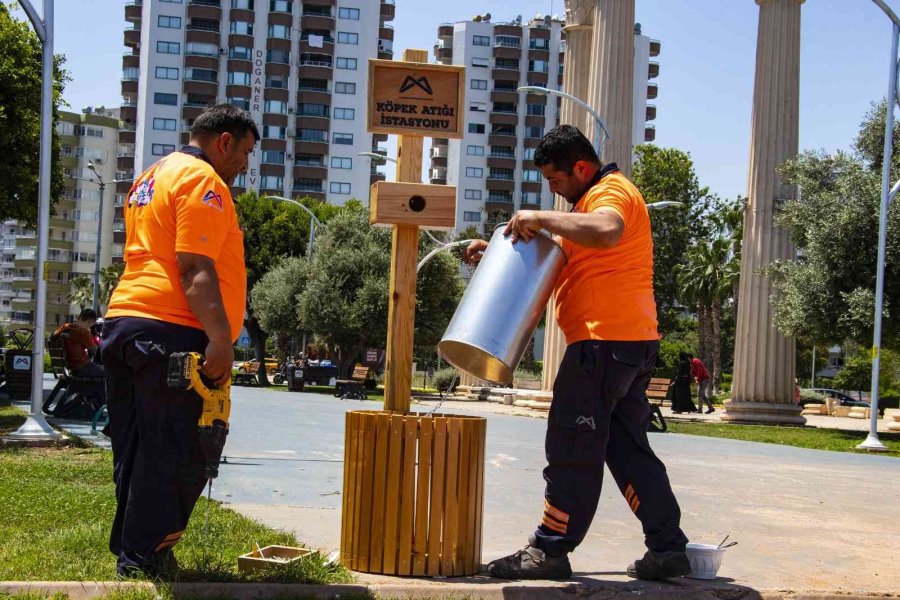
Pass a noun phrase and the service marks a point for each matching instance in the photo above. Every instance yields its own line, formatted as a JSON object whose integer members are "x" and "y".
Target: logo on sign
{"x": 411, "y": 82}
{"x": 22, "y": 363}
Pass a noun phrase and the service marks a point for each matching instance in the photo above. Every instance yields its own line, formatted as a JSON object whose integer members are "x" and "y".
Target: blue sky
{"x": 706, "y": 66}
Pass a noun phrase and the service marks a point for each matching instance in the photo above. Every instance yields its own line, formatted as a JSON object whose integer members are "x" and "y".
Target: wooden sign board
{"x": 421, "y": 99}
{"x": 427, "y": 206}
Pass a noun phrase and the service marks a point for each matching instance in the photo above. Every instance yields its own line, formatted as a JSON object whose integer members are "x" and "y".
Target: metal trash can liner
{"x": 502, "y": 306}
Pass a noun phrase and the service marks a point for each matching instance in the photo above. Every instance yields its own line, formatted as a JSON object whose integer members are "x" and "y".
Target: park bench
{"x": 70, "y": 397}
{"x": 248, "y": 379}
{"x": 355, "y": 387}
{"x": 656, "y": 392}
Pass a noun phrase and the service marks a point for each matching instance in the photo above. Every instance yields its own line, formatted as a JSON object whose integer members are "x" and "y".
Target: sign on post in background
{"x": 416, "y": 99}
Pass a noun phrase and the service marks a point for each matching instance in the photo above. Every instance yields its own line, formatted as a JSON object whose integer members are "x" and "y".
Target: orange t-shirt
{"x": 607, "y": 293}
{"x": 180, "y": 204}
{"x": 78, "y": 343}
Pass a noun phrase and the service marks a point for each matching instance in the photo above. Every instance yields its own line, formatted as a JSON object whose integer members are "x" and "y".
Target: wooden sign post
{"x": 414, "y": 99}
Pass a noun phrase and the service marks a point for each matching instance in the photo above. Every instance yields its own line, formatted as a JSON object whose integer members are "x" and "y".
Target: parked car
{"x": 252, "y": 366}
{"x": 844, "y": 399}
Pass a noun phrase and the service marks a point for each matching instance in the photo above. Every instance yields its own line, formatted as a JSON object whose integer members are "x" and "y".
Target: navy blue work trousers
{"x": 158, "y": 465}
{"x": 599, "y": 416}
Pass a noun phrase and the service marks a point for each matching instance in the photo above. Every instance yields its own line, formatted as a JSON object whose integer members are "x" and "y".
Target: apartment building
{"x": 492, "y": 166}
{"x": 86, "y": 138}
{"x": 300, "y": 68}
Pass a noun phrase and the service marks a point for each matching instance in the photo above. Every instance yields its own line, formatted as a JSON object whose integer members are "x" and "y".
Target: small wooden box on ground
{"x": 427, "y": 206}
{"x": 271, "y": 556}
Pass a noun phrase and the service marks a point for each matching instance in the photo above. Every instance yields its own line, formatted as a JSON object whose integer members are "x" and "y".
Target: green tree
{"x": 668, "y": 174}
{"x": 856, "y": 374}
{"x": 274, "y": 299}
{"x": 345, "y": 302}
{"x": 827, "y": 293}
{"x": 20, "y": 119}
{"x": 82, "y": 292}
{"x": 272, "y": 231}
{"x": 109, "y": 279}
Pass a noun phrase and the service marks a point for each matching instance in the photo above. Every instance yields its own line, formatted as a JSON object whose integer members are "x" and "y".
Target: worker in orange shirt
{"x": 183, "y": 290}
{"x": 606, "y": 309}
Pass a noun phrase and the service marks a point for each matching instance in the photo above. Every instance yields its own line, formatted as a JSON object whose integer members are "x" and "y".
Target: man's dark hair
{"x": 222, "y": 118}
{"x": 562, "y": 147}
{"x": 88, "y": 314}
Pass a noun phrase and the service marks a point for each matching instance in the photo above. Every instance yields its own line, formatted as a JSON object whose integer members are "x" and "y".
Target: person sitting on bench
{"x": 80, "y": 345}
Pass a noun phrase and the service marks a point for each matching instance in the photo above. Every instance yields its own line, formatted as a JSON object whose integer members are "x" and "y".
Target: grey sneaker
{"x": 660, "y": 565}
{"x": 531, "y": 563}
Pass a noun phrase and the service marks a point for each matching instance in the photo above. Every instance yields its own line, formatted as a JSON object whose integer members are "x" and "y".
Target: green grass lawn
{"x": 58, "y": 505}
{"x": 836, "y": 440}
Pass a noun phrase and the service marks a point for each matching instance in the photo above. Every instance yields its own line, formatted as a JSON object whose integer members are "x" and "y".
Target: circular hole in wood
{"x": 417, "y": 203}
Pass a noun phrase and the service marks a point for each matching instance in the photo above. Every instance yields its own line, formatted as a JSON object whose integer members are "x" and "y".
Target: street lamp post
{"x": 35, "y": 426}
{"x": 601, "y": 124}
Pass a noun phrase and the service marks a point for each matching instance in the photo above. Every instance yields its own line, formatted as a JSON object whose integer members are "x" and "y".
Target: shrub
{"x": 811, "y": 397}
{"x": 444, "y": 378}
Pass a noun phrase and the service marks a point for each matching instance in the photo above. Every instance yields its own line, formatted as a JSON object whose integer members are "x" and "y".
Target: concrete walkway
{"x": 804, "y": 519}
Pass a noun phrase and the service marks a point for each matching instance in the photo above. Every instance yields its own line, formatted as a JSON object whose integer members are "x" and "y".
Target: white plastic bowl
{"x": 705, "y": 560}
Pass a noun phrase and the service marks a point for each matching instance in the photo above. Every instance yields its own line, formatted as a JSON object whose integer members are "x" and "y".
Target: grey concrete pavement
{"x": 804, "y": 519}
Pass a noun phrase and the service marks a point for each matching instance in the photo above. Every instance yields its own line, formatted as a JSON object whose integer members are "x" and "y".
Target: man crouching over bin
{"x": 606, "y": 309}
{"x": 183, "y": 290}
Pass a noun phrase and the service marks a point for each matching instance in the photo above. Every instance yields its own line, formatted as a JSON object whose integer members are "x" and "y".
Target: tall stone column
{"x": 763, "y": 387}
{"x": 612, "y": 77}
{"x": 576, "y": 78}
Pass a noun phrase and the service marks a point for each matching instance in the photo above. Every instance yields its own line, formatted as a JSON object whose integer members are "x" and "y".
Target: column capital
{"x": 580, "y": 13}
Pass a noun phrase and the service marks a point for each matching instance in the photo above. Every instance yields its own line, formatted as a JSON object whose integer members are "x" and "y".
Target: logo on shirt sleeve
{"x": 214, "y": 200}
{"x": 143, "y": 193}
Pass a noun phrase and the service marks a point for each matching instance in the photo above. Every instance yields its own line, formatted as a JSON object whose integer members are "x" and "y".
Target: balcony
{"x": 202, "y": 25}
{"x": 204, "y": 9}
{"x": 133, "y": 36}
{"x": 445, "y": 30}
{"x": 654, "y": 47}
{"x": 653, "y": 69}
{"x": 133, "y": 10}
{"x": 436, "y": 151}
{"x": 118, "y": 225}
{"x": 651, "y": 112}
{"x": 501, "y": 174}
{"x": 316, "y": 20}
{"x": 438, "y": 175}
{"x": 649, "y": 133}
{"x": 652, "y": 91}
{"x": 388, "y": 10}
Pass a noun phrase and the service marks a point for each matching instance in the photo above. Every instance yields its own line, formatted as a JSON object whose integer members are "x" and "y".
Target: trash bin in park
{"x": 295, "y": 379}
{"x": 18, "y": 364}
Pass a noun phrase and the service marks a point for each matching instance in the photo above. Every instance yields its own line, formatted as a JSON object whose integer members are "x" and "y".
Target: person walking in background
{"x": 701, "y": 376}
{"x": 681, "y": 389}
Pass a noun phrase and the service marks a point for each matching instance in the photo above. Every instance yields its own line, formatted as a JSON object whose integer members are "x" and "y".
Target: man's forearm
{"x": 201, "y": 288}
{"x": 592, "y": 230}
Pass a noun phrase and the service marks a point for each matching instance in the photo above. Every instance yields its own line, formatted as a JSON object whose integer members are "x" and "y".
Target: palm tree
{"x": 82, "y": 292}
{"x": 109, "y": 279}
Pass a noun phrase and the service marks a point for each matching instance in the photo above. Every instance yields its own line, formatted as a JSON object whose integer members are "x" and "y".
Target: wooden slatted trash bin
{"x": 413, "y": 493}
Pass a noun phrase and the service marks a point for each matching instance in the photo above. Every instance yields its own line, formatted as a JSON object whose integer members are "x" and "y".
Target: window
{"x": 475, "y": 150}
{"x": 172, "y": 1}
{"x": 309, "y": 160}
{"x": 273, "y": 132}
{"x": 164, "y": 124}
{"x": 278, "y": 107}
{"x": 271, "y": 182}
{"x": 166, "y": 73}
{"x": 284, "y": 6}
{"x": 348, "y": 13}
{"x": 169, "y": 22}
{"x": 339, "y": 188}
{"x": 169, "y": 99}
{"x": 313, "y": 135}
{"x": 343, "y": 138}
{"x": 506, "y": 63}
{"x": 479, "y": 84}
{"x": 536, "y": 109}
{"x": 162, "y": 149}
{"x": 240, "y": 102}
{"x": 474, "y": 172}
{"x": 244, "y": 4}
{"x": 478, "y": 107}
{"x": 529, "y": 153}
{"x": 346, "y": 37}
{"x": 168, "y": 47}
{"x": 347, "y": 114}
{"x": 539, "y": 66}
{"x": 312, "y": 110}
{"x": 340, "y": 162}
{"x": 476, "y": 127}
{"x": 242, "y": 27}
{"x": 314, "y": 85}
{"x": 240, "y": 181}
{"x": 198, "y": 49}
{"x": 200, "y": 75}
{"x": 481, "y": 62}
{"x": 473, "y": 194}
{"x": 278, "y": 56}
{"x": 472, "y": 216}
{"x": 238, "y": 78}
{"x": 539, "y": 44}
{"x": 532, "y": 175}
{"x": 481, "y": 40}
{"x": 131, "y": 73}
{"x": 280, "y": 31}
{"x": 342, "y": 87}
{"x": 531, "y": 198}
{"x": 240, "y": 52}
{"x": 534, "y": 132}
{"x": 276, "y": 81}
{"x": 273, "y": 157}
{"x": 346, "y": 63}
{"x": 507, "y": 41}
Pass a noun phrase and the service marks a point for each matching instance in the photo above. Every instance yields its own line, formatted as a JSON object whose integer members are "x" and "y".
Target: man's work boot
{"x": 531, "y": 563}
{"x": 660, "y": 565}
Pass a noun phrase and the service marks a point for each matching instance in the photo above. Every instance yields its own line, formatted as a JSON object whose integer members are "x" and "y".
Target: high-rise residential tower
{"x": 492, "y": 165}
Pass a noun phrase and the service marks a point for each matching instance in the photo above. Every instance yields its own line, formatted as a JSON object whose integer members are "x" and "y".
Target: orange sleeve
{"x": 612, "y": 197}
{"x": 83, "y": 337}
{"x": 202, "y": 216}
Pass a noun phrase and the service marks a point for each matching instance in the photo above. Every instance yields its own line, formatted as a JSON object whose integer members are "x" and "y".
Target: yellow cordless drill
{"x": 184, "y": 374}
